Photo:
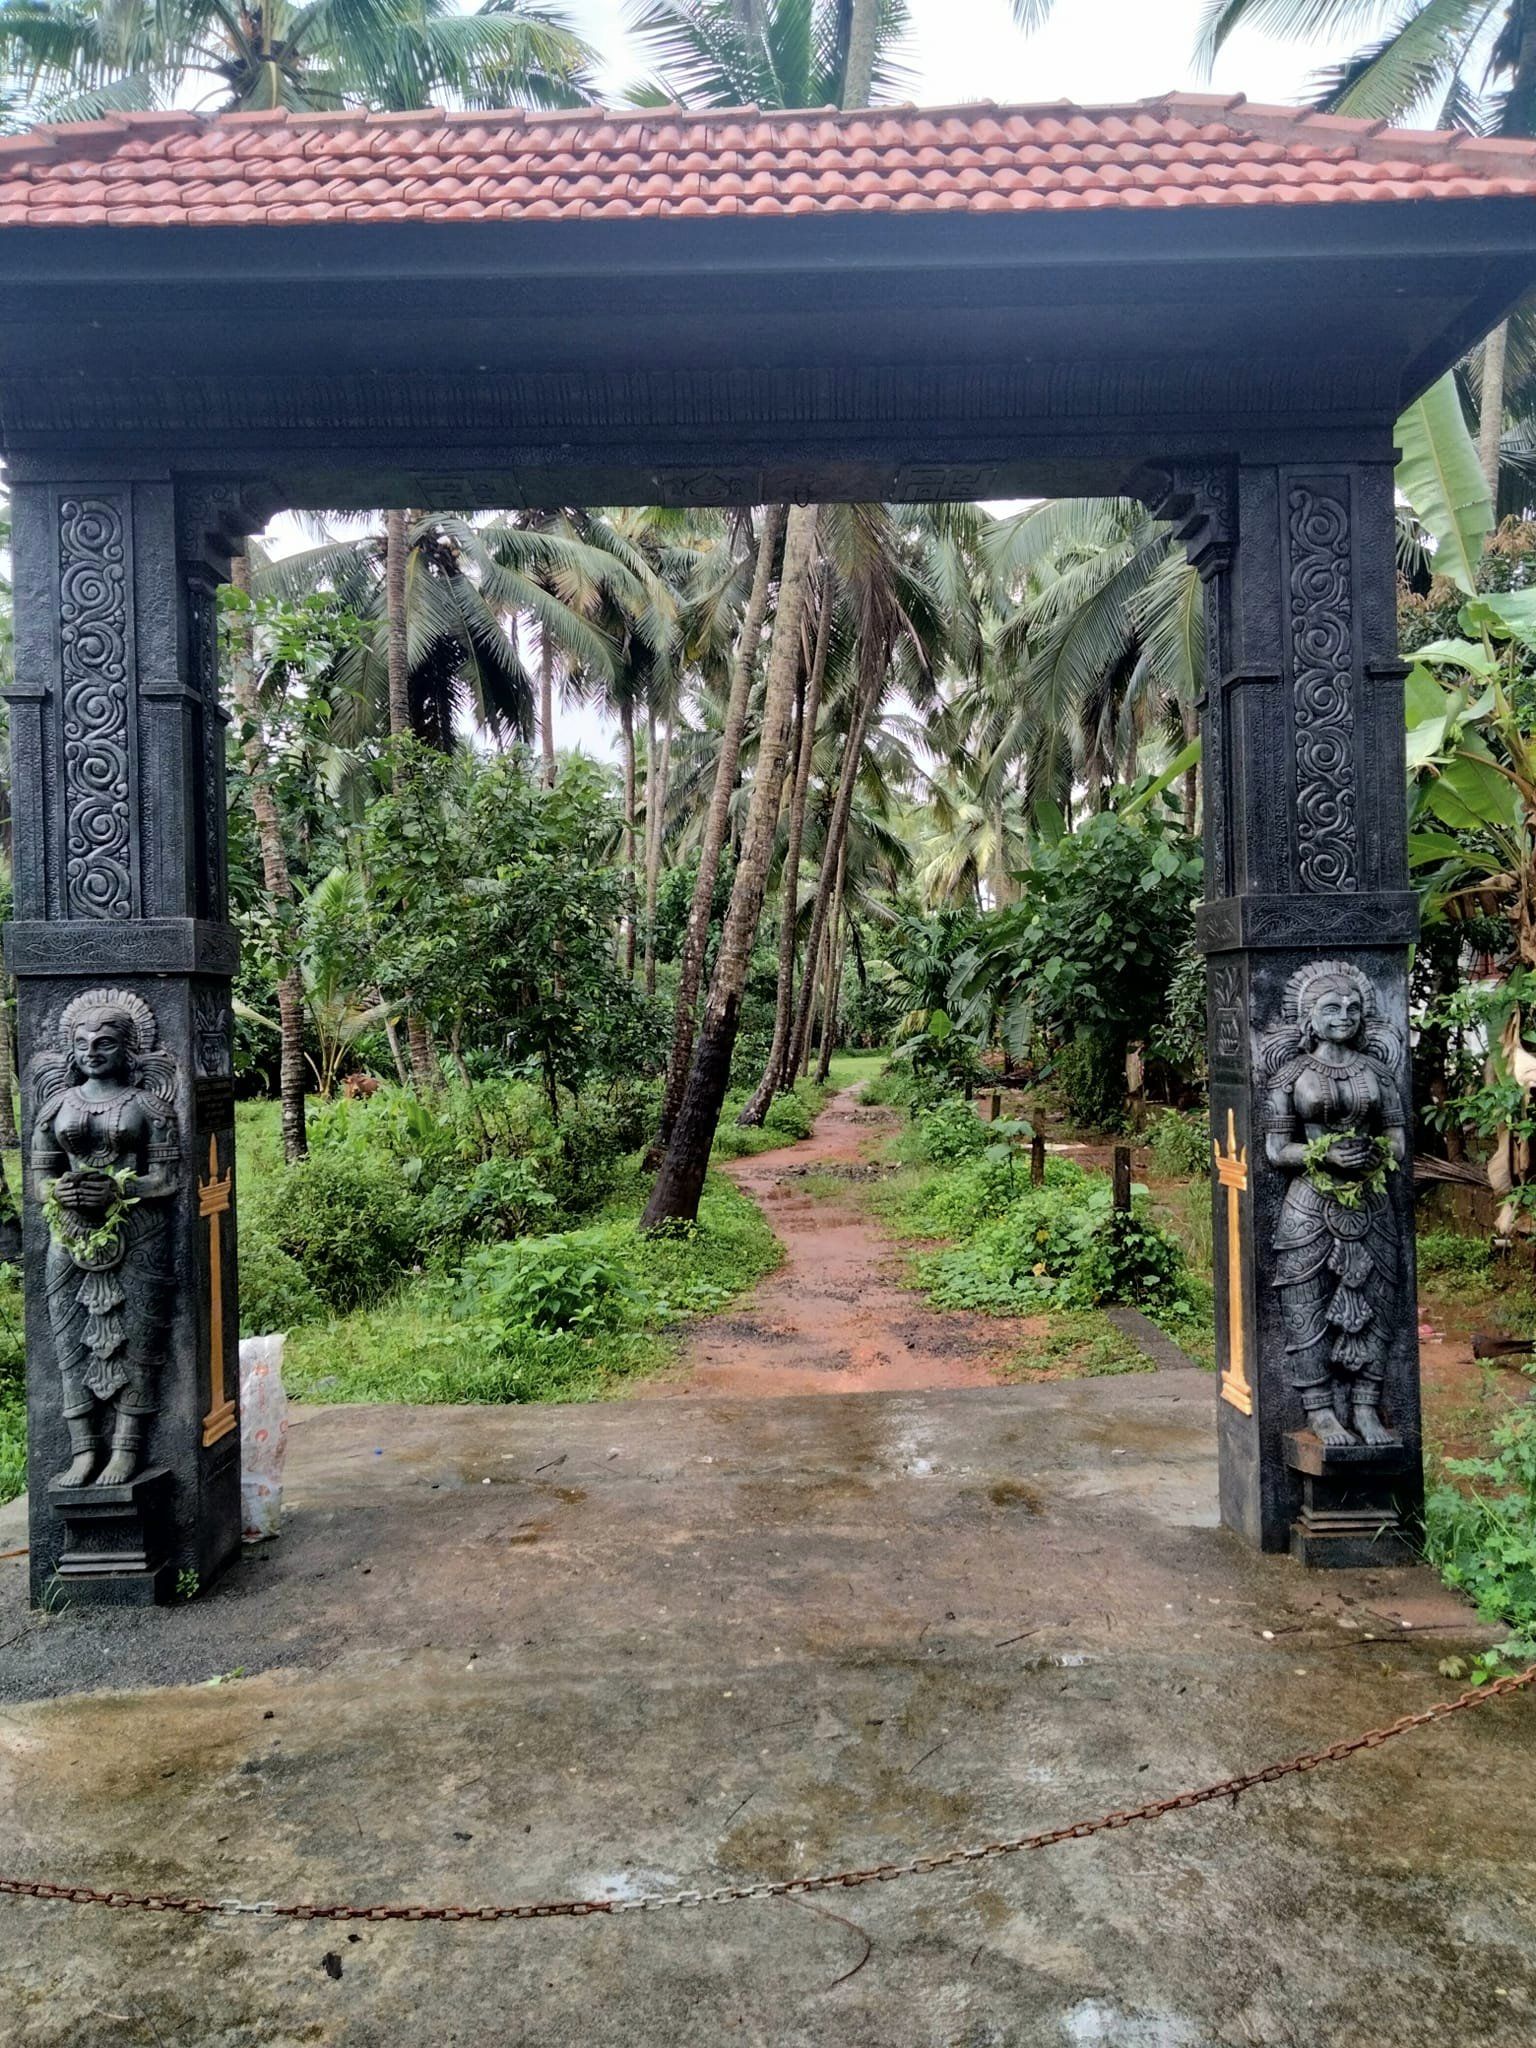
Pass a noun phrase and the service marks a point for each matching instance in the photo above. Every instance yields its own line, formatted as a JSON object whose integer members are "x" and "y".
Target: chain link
{"x": 789, "y": 1887}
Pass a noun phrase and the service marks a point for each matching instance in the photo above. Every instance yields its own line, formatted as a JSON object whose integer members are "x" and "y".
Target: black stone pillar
{"x": 121, "y": 935}
{"x": 1306, "y": 924}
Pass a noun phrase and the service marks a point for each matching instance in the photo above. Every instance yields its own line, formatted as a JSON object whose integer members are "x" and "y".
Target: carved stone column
{"x": 123, "y": 956}
{"x": 1306, "y": 922}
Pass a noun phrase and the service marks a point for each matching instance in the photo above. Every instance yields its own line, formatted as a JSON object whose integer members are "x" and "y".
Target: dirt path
{"x": 834, "y": 1319}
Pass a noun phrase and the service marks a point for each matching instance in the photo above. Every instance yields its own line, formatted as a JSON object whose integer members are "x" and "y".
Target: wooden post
{"x": 1037, "y": 1160}
{"x": 1123, "y": 1178}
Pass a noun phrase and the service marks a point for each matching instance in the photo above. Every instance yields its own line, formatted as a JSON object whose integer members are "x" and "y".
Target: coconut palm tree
{"x": 1097, "y": 644}
{"x": 73, "y": 59}
{"x": 680, "y": 1180}
{"x": 466, "y": 589}
{"x": 773, "y": 53}
{"x": 1436, "y": 63}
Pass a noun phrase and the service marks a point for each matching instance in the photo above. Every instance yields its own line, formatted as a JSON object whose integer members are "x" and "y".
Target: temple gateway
{"x": 1221, "y": 308}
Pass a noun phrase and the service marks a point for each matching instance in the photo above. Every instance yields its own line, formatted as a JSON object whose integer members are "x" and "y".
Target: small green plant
{"x": 1061, "y": 1246}
{"x": 552, "y": 1284}
{"x": 1180, "y": 1145}
{"x": 1448, "y": 1252}
{"x": 188, "y": 1583}
{"x": 1349, "y": 1194}
{"x": 102, "y": 1241}
{"x": 948, "y": 1134}
{"x": 1482, "y": 1534}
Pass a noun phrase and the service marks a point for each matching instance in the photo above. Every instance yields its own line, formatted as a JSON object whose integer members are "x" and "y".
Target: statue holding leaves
{"x": 105, "y": 1157}
{"x": 1334, "y": 1120}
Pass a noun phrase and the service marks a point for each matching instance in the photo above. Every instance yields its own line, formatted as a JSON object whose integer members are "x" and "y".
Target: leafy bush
{"x": 573, "y": 1282}
{"x": 350, "y": 1223}
{"x": 1086, "y": 958}
{"x": 275, "y": 1292}
{"x": 1061, "y": 1246}
{"x": 496, "y": 1198}
{"x": 791, "y": 1116}
{"x": 954, "y": 1203}
{"x": 1447, "y": 1251}
{"x": 947, "y": 1135}
{"x": 1180, "y": 1145}
{"x": 941, "y": 1060}
{"x": 1484, "y": 1540}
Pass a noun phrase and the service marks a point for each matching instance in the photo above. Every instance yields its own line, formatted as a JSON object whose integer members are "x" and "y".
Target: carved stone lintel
{"x": 1199, "y": 500}
{"x": 1232, "y": 924}
{"x": 214, "y": 519}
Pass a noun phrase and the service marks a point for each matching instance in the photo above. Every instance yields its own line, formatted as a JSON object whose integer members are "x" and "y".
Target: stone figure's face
{"x": 1337, "y": 1016}
{"x": 101, "y": 1045}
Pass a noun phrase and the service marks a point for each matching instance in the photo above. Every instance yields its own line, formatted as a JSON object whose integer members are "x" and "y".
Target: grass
{"x": 1082, "y": 1344}
{"x": 423, "y": 1346}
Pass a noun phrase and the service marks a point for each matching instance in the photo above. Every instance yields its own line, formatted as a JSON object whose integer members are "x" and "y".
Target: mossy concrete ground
{"x": 517, "y": 1654}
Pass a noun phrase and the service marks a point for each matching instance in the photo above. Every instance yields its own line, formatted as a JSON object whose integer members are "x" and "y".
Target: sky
{"x": 961, "y": 50}
{"x": 965, "y": 50}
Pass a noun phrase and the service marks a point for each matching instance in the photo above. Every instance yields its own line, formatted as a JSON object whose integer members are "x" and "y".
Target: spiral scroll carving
{"x": 93, "y": 615}
{"x": 1322, "y": 658}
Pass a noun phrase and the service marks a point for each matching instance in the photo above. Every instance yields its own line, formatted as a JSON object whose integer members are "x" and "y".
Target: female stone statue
{"x": 105, "y": 1157}
{"x": 1333, "y": 1076}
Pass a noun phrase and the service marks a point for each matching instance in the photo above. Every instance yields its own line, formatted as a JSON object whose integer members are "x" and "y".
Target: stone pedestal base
{"x": 1350, "y": 1515}
{"x": 117, "y": 1545}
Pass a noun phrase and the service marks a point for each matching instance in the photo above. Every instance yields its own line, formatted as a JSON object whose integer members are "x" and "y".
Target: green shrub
{"x": 791, "y": 1116}
{"x": 573, "y": 1282}
{"x": 1180, "y": 1145}
{"x": 275, "y": 1293}
{"x": 497, "y": 1198}
{"x": 350, "y": 1223}
{"x": 948, "y": 1134}
{"x": 1447, "y": 1251}
{"x": 1484, "y": 1539}
{"x": 1061, "y": 1246}
{"x": 953, "y": 1204}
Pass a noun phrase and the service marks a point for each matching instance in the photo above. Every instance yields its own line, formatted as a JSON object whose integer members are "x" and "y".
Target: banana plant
{"x": 1472, "y": 766}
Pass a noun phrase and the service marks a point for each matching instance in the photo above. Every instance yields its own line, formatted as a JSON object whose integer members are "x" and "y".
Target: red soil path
{"x": 834, "y": 1319}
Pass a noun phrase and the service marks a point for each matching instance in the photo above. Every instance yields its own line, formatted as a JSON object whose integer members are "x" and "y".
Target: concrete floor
{"x": 506, "y": 1654}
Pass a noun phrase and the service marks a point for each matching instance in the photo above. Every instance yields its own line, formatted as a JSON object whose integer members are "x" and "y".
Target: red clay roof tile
{"x": 1187, "y": 149}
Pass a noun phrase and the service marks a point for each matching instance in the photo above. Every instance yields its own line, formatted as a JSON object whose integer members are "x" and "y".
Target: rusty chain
{"x": 788, "y": 1887}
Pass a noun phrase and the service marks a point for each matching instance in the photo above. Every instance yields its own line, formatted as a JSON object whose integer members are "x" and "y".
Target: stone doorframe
{"x": 118, "y": 746}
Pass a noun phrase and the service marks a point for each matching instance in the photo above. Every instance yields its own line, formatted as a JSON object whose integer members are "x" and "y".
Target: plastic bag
{"x": 263, "y": 1437}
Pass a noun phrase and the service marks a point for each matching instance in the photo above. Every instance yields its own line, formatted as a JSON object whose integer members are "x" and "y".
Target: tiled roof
{"x": 180, "y": 169}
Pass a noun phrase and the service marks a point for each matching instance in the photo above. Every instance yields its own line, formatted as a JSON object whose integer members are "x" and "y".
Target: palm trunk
{"x": 679, "y": 1184}
{"x": 837, "y": 828}
{"x": 275, "y": 876}
{"x": 784, "y": 1002}
{"x": 859, "y": 65}
{"x": 696, "y": 938}
{"x": 834, "y": 968}
{"x": 424, "y": 1068}
{"x": 627, "y": 730}
{"x": 547, "y": 704}
{"x": 655, "y": 828}
{"x": 402, "y": 1072}
{"x": 396, "y": 558}
{"x": 396, "y": 552}
{"x": 1490, "y": 425}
